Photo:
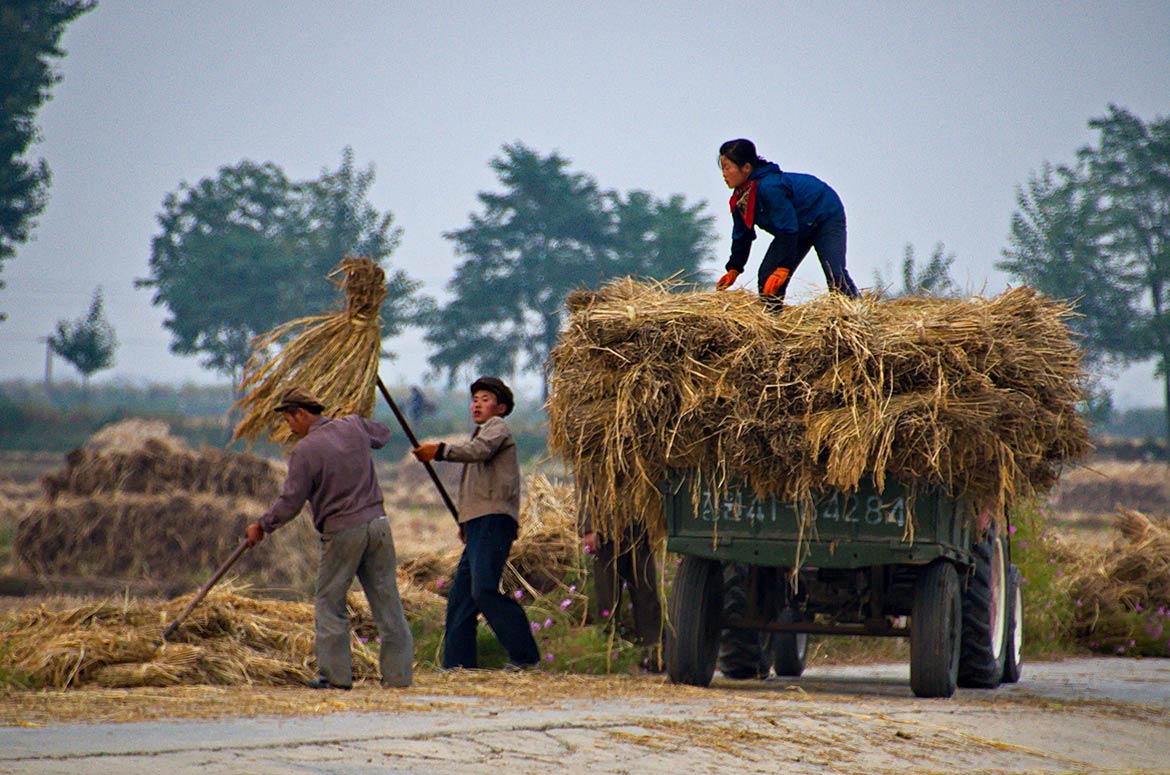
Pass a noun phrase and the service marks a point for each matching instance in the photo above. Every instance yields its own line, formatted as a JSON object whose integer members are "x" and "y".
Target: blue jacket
{"x": 786, "y": 203}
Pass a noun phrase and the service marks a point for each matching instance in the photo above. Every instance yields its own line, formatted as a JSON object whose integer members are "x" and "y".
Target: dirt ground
{"x": 1074, "y": 716}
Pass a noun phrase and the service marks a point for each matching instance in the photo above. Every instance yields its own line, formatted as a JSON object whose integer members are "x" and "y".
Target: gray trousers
{"x": 365, "y": 551}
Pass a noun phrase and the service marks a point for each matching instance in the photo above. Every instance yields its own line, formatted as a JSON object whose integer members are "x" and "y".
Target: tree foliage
{"x": 550, "y": 231}
{"x": 88, "y": 342}
{"x": 30, "y": 31}
{"x": 933, "y": 279}
{"x": 1098, "y": 233}
{"x": 247, "y": 250}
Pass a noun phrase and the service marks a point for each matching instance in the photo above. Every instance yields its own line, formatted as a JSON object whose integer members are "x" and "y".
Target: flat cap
{"x": 299, "y": 397}
{"x": 496, "y": 386}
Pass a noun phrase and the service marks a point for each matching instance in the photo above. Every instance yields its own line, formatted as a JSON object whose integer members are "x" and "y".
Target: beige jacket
{"x": 490, "y": 483}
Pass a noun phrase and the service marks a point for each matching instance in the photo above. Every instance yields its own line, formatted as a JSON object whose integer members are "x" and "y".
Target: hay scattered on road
{"x": 977, "y": 397}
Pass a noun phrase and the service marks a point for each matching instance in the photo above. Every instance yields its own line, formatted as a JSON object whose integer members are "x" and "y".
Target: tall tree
{"x": 30, "y": 31}
{"x": 88, "y": 342}
{"x": 1098, "y": 233}
{"x": 247, "y": 250}
{"x": 932, "y": 279}
{"x": 550, "y": 231}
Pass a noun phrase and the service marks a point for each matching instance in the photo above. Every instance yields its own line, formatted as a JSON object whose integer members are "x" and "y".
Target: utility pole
{"x": 48, "y": 340}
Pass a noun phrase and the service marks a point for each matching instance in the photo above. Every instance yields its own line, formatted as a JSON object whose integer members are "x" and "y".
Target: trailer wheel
{"x": 1013, "y": 644}
{"x": 696, "y": 610}
{"x": 985, "y": 602}
{"x": 788, "y": 649}
{"x": 936, "y": 624}
{"x": 742, "y": 653}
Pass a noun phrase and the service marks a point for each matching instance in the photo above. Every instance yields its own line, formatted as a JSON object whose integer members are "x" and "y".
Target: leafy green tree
{"x": 247, "y": 250}
{"x": 1098, "y": 233}
{"x": 549, "y": 232}
{"x": 88, "y": 342}
{"x": 30, "y": 31}
{"x": 933, "y": 279}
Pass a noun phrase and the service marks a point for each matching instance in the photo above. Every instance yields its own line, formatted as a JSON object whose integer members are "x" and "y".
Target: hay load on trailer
{"x": 977, "y": 397}
{"x": 864, "y": 451}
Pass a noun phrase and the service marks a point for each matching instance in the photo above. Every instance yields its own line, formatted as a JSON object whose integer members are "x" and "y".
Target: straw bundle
{"x": 977, "y": 397}
{"x": 175, "y": 539}
{"x": 334, "y": 355}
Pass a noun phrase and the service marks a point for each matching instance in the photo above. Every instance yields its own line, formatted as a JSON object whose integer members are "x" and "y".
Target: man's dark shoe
{"x": 321, "y": 682}
{"x": 520, "y": 667}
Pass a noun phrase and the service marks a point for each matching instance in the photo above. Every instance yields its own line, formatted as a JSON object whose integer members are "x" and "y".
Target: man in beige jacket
{"x": 489, "y": 516}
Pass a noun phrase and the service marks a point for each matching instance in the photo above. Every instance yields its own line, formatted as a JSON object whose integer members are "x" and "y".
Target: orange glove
{"x": 426, "y": 452}
{"x": 726, "y": 280}
{"x": 254, "y": 534}
{"x": 775, "y": 281}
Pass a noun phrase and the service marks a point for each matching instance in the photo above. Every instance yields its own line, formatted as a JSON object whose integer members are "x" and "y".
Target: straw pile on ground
{"x": 228, "y": 639}
{"x": 545, "y": 550}
{"x": 137, "y": 504}
{"x": 977, "y": 397}
{"x": 1130, "y": 575}
{"x": 334, "y": 355}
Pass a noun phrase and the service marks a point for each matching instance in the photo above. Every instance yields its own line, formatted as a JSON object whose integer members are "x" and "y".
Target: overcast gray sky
{"x": 925, "y": 116}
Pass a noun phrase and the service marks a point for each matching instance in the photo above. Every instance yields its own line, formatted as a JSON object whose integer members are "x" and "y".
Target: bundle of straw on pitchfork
{"x": 334, "y": 355}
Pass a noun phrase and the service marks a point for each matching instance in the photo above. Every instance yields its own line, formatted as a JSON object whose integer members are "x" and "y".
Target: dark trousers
{"x": 829, "y": 241}
{"x": 476, "y": 589}
{"x": 633, "y": 563}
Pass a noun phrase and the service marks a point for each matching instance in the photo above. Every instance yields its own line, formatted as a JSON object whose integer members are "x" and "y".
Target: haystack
{"x": 135, "y": 503}
{"x": 975, "y": 397}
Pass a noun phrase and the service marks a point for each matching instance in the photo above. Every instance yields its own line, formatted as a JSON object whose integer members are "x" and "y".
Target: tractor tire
{"x": 788, "y": 649}
{"x": 1014, "y": 643}
{"x": 741, "y": 652}
{"x": 936, "y": 624}
{"x": 696, "y": 608}
{"x": 981, "y": 658}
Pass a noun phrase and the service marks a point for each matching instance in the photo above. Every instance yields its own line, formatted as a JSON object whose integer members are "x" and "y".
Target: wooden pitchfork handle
{"x": 243, "y": 547}
{"x": 414, "y": 443}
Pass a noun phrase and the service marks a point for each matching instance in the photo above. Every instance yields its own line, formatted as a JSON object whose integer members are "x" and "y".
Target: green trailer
{"x": 947, "y": 584}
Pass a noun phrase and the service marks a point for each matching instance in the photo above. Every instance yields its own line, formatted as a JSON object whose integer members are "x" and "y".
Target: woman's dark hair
{"x": 742, "y": 152}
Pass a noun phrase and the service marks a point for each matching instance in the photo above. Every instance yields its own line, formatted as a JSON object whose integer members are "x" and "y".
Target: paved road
{"x": 1075, "y": 716}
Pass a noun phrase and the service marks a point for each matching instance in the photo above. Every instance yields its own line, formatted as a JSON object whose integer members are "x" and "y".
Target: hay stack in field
{"x": 334, "y": 355}
{"x": 137, "y": 503}
{"x": 173, "y": 539}
{"x": 546, "y": 547}
{"x": 163, "y": 465}
{"x": 1132, "y": 574}
{"x": 977, "y": 397}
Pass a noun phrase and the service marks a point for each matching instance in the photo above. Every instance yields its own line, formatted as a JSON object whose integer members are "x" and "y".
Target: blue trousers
{"x": 829, "y": 241}
{"x": 476, "y": 589}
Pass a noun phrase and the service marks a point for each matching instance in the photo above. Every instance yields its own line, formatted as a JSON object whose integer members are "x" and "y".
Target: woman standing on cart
{"x": 799, "y": 211}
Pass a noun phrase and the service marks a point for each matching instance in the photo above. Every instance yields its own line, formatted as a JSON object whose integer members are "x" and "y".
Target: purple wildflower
{"x": 605, "y": 614}
{"x": 518, "y": 594}
{"x": 1011, "y": 529}
{"x": 549, "y": 657}
{"x": 566, "y": 603}
{"x": 536, "y": 626}
{"x": 548, "y": 622}
{"x": 440, "y": 583}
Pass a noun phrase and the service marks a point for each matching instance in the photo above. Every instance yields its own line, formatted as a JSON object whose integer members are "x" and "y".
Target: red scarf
{"x": 743, "y": 200}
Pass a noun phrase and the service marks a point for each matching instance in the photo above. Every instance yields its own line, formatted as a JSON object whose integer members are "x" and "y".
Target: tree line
{"x": 245, "y": 250}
